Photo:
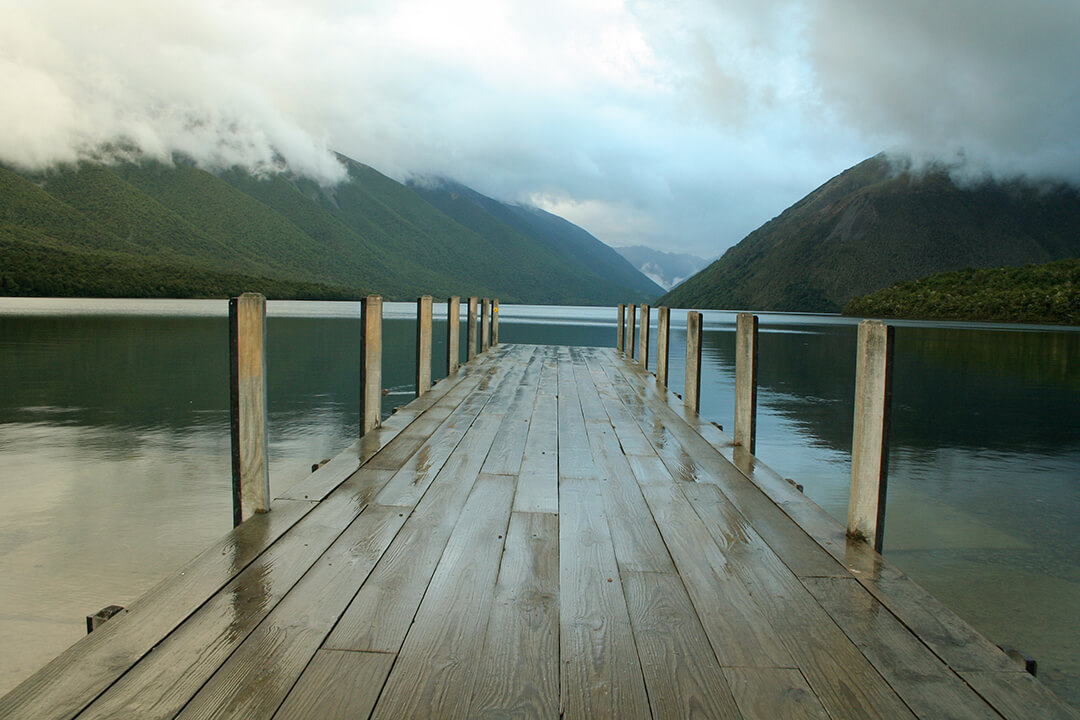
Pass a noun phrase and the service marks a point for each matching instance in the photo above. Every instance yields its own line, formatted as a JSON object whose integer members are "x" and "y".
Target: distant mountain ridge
{"x": 877, "y": 224}
{"x": 664, "y": 268}
{"x": 153, "y": 228}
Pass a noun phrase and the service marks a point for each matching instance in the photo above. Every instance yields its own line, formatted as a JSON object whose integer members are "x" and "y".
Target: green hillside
{"x": 1047, "y": 293}
{"x": 140, "y": 224}
{"x": 872, "y": 226}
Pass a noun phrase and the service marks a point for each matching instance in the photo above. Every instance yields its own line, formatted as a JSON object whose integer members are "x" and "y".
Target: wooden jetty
{"x": 545, "y": 533}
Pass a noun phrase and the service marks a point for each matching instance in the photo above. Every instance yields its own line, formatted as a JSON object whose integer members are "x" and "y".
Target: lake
{"x": 115, "y": 470}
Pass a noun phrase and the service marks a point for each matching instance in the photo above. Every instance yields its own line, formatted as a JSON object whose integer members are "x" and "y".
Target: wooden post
{"x": 870, "y": 440}
{"x": 631, "y": 322}
{"x": 485, "y": 325}
{"x": 470, "y": 333}
{"x": 370, "y": 363}
{"x": 247, "y": 394}
{"x": 643, "y": 338}
{"x": 620, "y": 328}
{"x": 746, "y": 365}
{"x": 663, "y": 334}
{"x": 423, "y": 344}
{"x": 692, "y": 389}
{"x": 453, "y": 333}
{"x": 495, "y": 322}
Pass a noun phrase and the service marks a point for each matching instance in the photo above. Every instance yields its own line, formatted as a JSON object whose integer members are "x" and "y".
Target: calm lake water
{"x": 114, "y": 447}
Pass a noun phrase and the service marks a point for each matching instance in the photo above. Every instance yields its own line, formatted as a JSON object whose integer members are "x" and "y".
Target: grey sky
{"x": 679, "y": 125}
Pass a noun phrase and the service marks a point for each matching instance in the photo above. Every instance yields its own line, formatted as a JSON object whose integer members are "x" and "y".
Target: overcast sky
{"x": 679, "y": 125}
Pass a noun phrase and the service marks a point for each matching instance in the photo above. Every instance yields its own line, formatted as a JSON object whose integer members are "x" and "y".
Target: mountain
{"x": 577, "y": 247}
{"x": 664, "y": 268}
{"x": 158, "y": 229}
{"x": 877, "y": 224}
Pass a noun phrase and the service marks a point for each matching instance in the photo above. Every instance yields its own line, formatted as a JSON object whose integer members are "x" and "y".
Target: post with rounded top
{"x": 247, "y": 395}
{"x": 453, "y": 333}
{"x": 692, "y": 389}
{"x": 643, "y": 338}
{"x": 620, "y": 328}
{"x": 870, "y": 439}
{"x": 746, "y": 366}
{"x": 631, "y": 322}
{"x": 370, "y": 363}
{"x": 470, "y": 331}
{"x": 423, "y": 344}
{"x": 663, "y": 335}
{"x": 494, "y": 322}
{"x": 485, "y": 325}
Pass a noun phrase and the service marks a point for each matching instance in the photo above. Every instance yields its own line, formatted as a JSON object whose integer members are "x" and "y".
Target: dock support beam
{"x": 370, "y": 363}
{"x": 620, "y": 329}
{"x": 423, "y": 344}
{"x": 453, "y": 334}
{"x": 631, "y": 322}
{"x": 870, "y": 440}
{"x": 470, "y": 333}
{"x": 485, "y": 325}
{"x": 746, "y": 366}
{"x": 692, "y": 389}
{"x": 643, "y": 338}
{"x": 247, "y": 395}
{"x": 663, "y": 335}
{"x": 494, "y": 322}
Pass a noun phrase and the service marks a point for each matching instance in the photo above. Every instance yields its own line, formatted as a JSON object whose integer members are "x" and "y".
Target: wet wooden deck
{"x": 545, "y": 534}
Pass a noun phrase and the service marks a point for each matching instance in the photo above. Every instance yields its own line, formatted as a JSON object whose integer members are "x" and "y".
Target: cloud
{"x": 680, "y": 127}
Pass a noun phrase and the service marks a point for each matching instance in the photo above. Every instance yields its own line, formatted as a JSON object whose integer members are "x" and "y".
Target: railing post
{"x": 870, "y": 440}
{"x": 453, "y": 333}
{"x": 620, "y": 328}
{"x": 663, "y": 335}
{"x": 485, "y": 325}
{"x": 643, "y": 338}
{"x": 746, "y": 365}
{"x": 470, "y": 333}
{"x": 370, "y": 363}
{"x": 692, "y": 389}
{"x": 495, "y": 322}
{"x": 423, "y": 344}
{"x": 631, "y": 322}
{"x": 247, "y": 395}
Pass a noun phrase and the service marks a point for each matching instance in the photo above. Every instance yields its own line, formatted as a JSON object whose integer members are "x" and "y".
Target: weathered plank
{"x": 774, "y": 693}
{"x": 248, "y": 408}
{"x": 337, "y": 685}
{"x": 435, "y": 669}
{"x": 1017, "y": 695}
{"x": 682, "y": 675}
{"x": 538, "y": 476}
{"x": 519, "y": 667}
{"x": 601, "y": 675}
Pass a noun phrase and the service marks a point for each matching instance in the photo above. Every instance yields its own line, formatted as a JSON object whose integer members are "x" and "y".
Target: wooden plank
{"x": 164, "y": 681}
{"x": 575, "y": 457}
{"x": 600, "y": 674}
{"x": 381, "y": 613}
{"x": 247, "y": 362}
{"x": 774, "y": 693}
{"x": 509, "y": 446}
{"x": 538, "y": 476}
{"x": 1017, "y": 695}
{"x": 337, "y": 685}
{"x": 255, "y": 679}
{"x": 79, "y": 674}
{"x": 870, "y": 442}
{"x": 435, "y": 670}
{"x": 738, "y": 630}
{"x": 692, "y": 371}
{"x": 840, "y": 675}
{"x": 519, "y": 668}
{"x": 682, "y": 675}
{"x": 410, "y": 483}
{"x": 925, "y": 683}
